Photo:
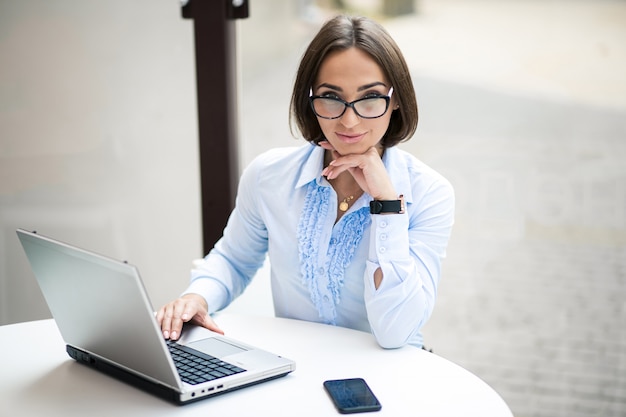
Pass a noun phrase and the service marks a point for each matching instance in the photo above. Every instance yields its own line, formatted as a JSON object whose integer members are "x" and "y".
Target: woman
{"x": 355, "y": 228}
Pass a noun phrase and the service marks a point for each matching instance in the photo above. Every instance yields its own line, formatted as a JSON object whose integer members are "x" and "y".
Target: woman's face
{"x": 350, "y": 75}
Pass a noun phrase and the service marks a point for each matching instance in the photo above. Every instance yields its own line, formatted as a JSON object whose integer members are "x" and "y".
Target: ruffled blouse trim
{"x": 323, "y": 274}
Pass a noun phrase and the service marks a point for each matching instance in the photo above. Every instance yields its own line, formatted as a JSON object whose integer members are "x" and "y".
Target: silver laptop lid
{"x": 100, "y": 306}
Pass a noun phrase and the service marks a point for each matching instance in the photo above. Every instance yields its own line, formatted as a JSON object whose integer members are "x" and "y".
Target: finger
{"x": 204, "y": 319}
{"x": 332, "y": 172}
{"x": 210, "y": 324}
{"x": 159, "y": 315}
{"x": 341, "y": 164}
{"x": 177, "y": 320}
{"x": 164, "y": 325}
{"x": 166, "y": 320}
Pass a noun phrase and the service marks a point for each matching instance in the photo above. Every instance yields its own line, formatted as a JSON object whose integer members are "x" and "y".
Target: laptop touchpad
{"x": 215, "y": 347}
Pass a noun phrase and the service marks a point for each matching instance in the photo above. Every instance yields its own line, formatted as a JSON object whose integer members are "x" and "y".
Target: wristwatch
{"x": 387, "y": 206}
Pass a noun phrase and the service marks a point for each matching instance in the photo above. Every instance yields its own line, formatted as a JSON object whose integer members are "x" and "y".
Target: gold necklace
{"x": 343, "y": 206}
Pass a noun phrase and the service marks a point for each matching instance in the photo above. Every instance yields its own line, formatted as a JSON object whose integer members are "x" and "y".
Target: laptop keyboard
{"x": 195, "y": 367}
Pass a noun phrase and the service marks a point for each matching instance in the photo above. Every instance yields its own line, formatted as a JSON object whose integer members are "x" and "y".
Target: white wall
{"x": 97, "y": 139}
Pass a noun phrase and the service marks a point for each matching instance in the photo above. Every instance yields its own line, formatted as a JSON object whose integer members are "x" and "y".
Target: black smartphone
{"x": 352, "y": 395}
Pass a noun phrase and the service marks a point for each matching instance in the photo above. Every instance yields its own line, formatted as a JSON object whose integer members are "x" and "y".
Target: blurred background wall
{"x": 522, "y": 106}
{"x": 97, "y": 139}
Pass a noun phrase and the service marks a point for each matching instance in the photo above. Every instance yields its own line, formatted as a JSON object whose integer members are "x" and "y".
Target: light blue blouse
{"x": 322, "y": 271}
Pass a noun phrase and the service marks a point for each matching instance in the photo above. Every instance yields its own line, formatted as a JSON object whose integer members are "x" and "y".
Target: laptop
{"x": 107, "y": 322}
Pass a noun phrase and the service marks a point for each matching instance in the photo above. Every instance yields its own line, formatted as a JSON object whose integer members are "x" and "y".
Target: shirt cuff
{"x": 213, "y": 292}
{"x": 389, "y": 238}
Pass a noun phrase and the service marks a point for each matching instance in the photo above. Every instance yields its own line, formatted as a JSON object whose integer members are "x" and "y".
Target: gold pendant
{"x": 343, "y": 206}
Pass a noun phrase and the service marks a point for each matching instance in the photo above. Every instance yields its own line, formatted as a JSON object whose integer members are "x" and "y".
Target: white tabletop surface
{"x": 37, "y": 377}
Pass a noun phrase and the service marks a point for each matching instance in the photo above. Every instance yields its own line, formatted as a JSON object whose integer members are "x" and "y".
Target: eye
{"x": 330, "y": 94}
{"x": 373, "y": 94}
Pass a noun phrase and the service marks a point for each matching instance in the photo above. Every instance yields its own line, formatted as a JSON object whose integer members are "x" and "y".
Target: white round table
{"x": 38, "y": 378}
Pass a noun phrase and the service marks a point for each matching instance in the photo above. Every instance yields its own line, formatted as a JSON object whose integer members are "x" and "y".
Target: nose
{"x": 350, "y": 118}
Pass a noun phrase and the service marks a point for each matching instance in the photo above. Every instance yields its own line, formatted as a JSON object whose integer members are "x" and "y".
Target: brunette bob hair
{"x": 344, "y": 32}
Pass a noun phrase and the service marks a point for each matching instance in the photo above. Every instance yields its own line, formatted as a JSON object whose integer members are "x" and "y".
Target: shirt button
{"x": 383, "y": 236}
{"x": 382, "y": 249}
{"x": 383, "y": 223}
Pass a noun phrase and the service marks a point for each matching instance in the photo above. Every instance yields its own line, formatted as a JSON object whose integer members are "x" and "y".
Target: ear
{"x": 395, "y": 103}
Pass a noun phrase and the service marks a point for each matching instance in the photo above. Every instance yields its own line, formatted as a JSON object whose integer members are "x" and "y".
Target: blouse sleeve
{"x": 408, "y": 248}
{"x": 229, "y": 267}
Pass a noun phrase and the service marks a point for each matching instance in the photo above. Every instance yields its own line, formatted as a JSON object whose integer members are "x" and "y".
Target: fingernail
{"x": 173, "y": 336}
{"x": 185, "y": 316}
{"x": 166, "y": 334}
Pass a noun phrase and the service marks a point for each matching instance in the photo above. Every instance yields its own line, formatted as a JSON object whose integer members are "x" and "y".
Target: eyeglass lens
{"x": 332, "y": 108}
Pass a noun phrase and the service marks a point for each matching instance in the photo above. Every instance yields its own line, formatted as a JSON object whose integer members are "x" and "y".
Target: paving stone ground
{"x": 533, "y": 296}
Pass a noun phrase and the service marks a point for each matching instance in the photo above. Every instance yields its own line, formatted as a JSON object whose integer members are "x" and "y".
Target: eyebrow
{"x": 361, "y": 88}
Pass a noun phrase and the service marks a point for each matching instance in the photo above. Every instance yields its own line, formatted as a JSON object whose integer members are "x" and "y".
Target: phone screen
{"x": 352, "y": 395}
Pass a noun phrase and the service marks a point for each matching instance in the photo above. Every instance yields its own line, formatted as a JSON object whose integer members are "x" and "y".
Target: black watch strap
{"x": 385, "y": 206}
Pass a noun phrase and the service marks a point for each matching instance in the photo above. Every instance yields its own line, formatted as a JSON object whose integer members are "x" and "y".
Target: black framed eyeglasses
{"x": 369, "y": 107}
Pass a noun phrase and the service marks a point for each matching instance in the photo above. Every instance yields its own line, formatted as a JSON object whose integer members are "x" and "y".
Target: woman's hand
{"x": 367, "y": 169}
{"x": 190, "y": 308}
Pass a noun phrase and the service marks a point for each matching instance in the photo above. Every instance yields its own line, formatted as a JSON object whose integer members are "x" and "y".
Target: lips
{"x": 350, "y": 137}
